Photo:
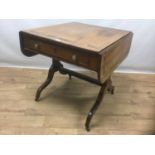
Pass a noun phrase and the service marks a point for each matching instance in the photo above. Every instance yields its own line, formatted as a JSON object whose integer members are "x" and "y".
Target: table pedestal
{"x": 106, "y": 86}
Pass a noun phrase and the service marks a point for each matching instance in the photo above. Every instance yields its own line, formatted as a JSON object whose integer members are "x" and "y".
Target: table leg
{"x": 96, "y": 105}
{"x": 106, "y": 86}
{"x": 70, "y": 77}
{"x": 110, "y": 87}
{"x": 54, "y": 68}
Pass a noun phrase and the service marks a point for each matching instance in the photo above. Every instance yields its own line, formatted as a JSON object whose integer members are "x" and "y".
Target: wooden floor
{"x": 65, "y": 103}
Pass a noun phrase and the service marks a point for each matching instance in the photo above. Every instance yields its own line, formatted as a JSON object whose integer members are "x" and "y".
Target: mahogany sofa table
{"x": 99, "y": 49}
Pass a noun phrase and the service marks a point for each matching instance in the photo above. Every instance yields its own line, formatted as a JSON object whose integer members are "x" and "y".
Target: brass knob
{"x": 73, "y": 57}
{"x": 36, "y": 45}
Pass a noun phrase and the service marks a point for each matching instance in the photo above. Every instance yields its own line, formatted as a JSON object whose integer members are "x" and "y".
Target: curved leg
{"x": 52, "y": 70}
{"x": 96, "y": 105}
{"x": 110, "y": 87}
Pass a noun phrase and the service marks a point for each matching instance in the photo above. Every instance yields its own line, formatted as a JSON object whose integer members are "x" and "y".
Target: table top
{"x": 89, "y": 37}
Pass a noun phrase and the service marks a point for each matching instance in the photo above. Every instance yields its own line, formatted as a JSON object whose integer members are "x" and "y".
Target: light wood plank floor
{"x": 65, "y": 103}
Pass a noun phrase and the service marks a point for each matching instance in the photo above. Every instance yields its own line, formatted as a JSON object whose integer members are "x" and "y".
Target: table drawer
{"x": 62, "y": 53}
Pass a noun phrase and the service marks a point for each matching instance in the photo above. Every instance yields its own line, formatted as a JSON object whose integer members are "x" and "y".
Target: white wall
{"x": 140, "y": 59}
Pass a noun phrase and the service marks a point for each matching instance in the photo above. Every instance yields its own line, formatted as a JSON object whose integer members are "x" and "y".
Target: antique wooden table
{"x": 99, "y": 49}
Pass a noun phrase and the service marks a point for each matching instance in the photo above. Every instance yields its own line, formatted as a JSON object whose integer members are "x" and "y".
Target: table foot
{"x": 110, "y": 87}
{"x": 70, "y": 77}
{"x": 96, "y": 105}
{"x": 54, "y": 68}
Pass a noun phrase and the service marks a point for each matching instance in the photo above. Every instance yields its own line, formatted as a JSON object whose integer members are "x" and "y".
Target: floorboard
{"x": 65, "y": 103}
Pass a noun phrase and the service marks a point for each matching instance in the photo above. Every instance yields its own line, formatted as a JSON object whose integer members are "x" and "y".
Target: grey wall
{"x": 140, "y": 59}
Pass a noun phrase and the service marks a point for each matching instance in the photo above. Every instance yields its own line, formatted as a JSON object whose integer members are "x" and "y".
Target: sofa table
{"x": 96, "y": 48}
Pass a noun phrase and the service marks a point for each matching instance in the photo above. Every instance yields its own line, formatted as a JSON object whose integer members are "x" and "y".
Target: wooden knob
{"x": 73, "y": 57}
{"x": 36, "y": 45}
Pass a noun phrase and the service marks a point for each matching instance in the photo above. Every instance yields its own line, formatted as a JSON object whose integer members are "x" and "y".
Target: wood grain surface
{"x": 65, "y": 103}
{"x": 90, "y": 37}
{"x": 100, "y": 49}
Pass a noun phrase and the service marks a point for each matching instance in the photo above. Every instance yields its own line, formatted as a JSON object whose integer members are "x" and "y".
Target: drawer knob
{"x": 73, "y": 57}
{"x": 36, "y": 45}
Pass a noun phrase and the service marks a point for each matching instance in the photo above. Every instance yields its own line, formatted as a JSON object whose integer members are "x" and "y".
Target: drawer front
{"x": 62, "y": 53}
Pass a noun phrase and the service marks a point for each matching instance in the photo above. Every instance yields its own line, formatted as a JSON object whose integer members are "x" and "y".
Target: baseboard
{"x": 81, "y": 69}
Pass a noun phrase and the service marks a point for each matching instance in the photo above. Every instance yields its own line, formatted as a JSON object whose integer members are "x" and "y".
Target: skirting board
{"x": 81, "y": 69}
